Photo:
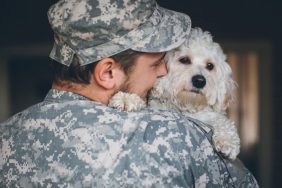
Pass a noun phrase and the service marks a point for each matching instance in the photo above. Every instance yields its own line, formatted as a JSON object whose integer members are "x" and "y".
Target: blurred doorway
{"x": 251, "y": 66}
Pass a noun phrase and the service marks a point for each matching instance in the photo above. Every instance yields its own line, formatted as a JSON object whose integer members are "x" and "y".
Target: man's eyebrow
{"x": 161, "y": 58}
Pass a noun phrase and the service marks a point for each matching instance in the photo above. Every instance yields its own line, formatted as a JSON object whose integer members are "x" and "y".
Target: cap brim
{"x": 171, "y": 33}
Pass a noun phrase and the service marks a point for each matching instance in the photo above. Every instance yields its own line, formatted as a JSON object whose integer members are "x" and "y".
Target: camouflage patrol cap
{"x": 95, "y": 29}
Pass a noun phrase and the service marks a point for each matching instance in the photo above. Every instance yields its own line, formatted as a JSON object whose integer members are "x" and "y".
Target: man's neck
{"x": 89, "y": 91}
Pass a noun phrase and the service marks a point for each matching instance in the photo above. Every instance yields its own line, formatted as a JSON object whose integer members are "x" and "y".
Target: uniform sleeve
{"x": 241, "y": 176}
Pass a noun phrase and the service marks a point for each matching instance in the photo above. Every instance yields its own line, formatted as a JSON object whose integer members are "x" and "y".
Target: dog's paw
{"x": 127, "y": 102}
{"x": 228, "y": 145}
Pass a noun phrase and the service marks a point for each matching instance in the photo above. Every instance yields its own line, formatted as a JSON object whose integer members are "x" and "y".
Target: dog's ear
{"x": 226, "y": 94}
{"x": 225, "y": 85}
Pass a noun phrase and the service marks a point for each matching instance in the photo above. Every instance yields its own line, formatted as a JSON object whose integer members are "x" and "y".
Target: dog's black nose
{"x": 198, "y": 81}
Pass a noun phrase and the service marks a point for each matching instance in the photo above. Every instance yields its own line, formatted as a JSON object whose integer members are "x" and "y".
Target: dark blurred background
{"x": 249, "y": 32}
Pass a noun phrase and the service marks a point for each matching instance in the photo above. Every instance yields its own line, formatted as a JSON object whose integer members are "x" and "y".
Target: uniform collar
{"x": 62, "y": 95}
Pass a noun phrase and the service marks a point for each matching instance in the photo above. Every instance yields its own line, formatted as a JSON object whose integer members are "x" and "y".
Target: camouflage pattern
{"x": 95, "y": 29}
{"x": 69, "y": 141}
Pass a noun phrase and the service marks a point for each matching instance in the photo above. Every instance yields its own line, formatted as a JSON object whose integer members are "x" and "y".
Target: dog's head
{"x": 198, "y": 75}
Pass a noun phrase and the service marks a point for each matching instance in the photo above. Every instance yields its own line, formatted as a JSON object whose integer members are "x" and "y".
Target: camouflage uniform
{"x": 70, "y": 141}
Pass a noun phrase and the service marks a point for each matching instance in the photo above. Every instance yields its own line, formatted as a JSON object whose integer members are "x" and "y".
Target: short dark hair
{"x": 82, "y": 74}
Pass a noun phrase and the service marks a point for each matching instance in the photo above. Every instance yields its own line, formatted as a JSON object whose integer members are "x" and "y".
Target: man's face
{"x": 148, "y": 67}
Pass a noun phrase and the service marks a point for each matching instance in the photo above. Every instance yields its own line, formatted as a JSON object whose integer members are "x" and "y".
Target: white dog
{"x": 198, "y": 84}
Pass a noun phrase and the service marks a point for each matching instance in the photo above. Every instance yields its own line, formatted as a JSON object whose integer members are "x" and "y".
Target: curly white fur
{"x": 198, "y": 84}
{"x": 127, "y": 102}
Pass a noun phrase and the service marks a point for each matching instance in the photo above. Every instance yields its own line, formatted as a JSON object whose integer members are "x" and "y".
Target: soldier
{"x": 72, "y": 139}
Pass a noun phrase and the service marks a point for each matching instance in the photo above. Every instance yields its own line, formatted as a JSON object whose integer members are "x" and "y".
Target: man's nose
{"x": 162, "y": 70}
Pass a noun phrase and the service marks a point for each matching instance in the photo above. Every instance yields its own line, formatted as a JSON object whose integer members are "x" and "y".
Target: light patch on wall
{"x": 244, "y": 111}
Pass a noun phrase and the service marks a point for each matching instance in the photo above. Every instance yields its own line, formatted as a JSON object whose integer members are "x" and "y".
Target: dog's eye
{"x": 185, "y": 60}
{"x": 210, "y": 66}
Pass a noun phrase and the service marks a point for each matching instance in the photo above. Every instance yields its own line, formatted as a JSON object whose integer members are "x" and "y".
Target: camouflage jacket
{"x": 70, "y": 141}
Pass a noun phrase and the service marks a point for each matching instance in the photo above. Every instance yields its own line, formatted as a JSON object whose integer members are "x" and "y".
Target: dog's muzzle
{"x": 199, "y": 81}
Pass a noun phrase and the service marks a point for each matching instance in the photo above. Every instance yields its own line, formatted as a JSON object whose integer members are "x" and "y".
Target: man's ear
{"x": 104, "y": 73}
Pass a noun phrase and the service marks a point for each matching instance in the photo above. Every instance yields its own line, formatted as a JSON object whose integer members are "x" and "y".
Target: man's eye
{"x": 185, "y": 60}
{"x": 158, "y": 63}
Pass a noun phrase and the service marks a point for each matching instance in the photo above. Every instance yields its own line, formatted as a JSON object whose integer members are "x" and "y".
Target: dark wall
{"x": 25, "y": 22}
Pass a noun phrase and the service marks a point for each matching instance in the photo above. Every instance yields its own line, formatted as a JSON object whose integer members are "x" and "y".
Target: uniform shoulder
{"x": 176, "y": 127}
